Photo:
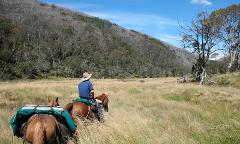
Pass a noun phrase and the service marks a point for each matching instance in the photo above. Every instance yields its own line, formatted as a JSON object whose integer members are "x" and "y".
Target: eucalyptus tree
{"x": 227, "y": 21}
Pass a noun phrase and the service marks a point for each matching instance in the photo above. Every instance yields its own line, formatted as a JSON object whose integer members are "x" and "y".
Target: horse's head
{"x": 104, "y": 98}
{"x": 53, "y": 102}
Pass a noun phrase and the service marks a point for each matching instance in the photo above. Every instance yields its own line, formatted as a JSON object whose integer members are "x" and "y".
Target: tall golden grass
{"x": 156, "y": 111}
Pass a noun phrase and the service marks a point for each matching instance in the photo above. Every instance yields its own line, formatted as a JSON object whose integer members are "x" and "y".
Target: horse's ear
{"x": 57, "y": 99}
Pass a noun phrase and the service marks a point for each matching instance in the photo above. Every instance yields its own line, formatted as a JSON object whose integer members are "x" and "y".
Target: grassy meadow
{"x": 141, "y": 111}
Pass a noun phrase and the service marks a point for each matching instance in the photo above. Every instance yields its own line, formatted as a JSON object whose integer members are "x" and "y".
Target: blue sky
{"x": 157, "y": 18}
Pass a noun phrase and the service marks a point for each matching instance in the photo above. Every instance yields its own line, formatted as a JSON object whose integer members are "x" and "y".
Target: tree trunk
{"x": 198, "y": 68}
{"x": 234, "y": 58}
{"x": 203, "y": 76}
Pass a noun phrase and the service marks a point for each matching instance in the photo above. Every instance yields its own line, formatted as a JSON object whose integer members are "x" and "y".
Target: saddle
{"x": 83, "y": 100}
{"x": 89, "y": 102}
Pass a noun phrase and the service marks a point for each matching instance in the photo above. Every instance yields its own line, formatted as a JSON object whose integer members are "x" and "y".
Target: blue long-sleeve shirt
{"x": 84, "y": 89}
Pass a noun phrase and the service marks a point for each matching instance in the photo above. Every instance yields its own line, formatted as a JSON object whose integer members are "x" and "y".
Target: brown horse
{"x": 42, "y": 128}
{"x": 81, "y": 110}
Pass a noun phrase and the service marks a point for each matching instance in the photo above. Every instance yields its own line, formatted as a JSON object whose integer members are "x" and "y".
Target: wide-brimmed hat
{"x": 86, "y": 76}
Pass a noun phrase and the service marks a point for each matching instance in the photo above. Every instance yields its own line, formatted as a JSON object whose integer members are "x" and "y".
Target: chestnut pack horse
{"x": 42, "y": 128}
{"x": 81, "y": 110}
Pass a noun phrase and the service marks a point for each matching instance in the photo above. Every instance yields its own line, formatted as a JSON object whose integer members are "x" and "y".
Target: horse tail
{"x": 38, "y": 136}
{"x": 69, "y": 107}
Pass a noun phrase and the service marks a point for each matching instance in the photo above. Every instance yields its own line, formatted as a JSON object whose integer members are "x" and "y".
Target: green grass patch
{"x": 178, "y": 98}
{"x": 185, "y": 95}
{"x": 134, "y": 91}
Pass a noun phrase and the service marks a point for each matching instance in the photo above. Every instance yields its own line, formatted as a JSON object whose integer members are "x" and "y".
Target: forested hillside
{"x": 38, "y": 40}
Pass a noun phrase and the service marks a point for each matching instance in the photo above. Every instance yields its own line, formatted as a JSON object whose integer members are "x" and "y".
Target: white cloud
{"x": 203, "y": 2}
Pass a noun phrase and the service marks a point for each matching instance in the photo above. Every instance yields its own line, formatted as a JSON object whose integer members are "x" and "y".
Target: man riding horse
{"x": 86, "y": 91}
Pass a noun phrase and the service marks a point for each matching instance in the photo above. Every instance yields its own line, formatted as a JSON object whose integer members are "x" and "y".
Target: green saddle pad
{"x": 82, "y": 100}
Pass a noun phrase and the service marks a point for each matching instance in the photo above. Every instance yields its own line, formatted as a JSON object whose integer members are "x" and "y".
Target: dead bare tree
{"x": 200, "y": 38}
